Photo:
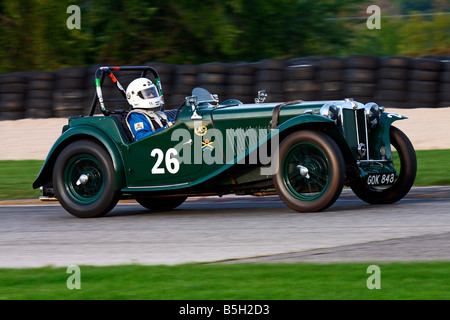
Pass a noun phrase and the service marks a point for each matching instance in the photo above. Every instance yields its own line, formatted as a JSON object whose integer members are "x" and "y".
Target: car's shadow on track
{"x": 247, "y": 206}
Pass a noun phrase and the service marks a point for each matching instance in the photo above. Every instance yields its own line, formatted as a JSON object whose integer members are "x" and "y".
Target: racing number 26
{"x": 172, "y": 164}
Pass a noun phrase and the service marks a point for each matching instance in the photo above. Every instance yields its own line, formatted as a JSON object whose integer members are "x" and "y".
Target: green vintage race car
{"x": 304, "y": 151}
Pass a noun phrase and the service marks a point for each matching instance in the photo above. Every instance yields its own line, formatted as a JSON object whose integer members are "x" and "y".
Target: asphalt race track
{"x": 230, "y": 230}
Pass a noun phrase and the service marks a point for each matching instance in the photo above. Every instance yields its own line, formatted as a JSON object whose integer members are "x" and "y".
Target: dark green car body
{"x": 220, "y": 148}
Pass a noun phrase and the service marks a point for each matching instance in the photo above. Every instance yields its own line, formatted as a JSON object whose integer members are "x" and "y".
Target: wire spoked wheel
{"x": 311, "y": 171}
{"x": 305, "y": 171}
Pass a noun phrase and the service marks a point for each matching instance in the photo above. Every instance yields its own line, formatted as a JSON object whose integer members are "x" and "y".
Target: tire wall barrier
{"x": 393, "y": 82}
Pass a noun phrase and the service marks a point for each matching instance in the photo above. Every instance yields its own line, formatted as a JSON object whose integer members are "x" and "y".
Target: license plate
{"x": 380, "y": 179}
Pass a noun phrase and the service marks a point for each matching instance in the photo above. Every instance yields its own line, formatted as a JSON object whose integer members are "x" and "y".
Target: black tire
{"x": 186, "y": 79}
{"x": 333, "y": 63}
{"x": 393, "y": 73}
{"x": 424, "y": 75}
{"x": 72, "y": 72}
{"x": 70, "y": 83}
{"x": 93, "y": 198}
{"x": 301, "y": 95}
{"x": 362, "y": 61}
{"x": 211, "y": 78}
{"x": 331, "y": 75}
{"x": 38, "y": 113}
{"x": 445, "y": 76}
{"x": 15, "y": 88}
{"x": 360, "y": 75}
{"x": 269, "y": 75}
{"x": 38, "y": 104}
{"x": 300, "y": 85}
{"x": 405, "y": 180}
{"x": 40, "y": 94}
{"x": 392, "y": 84}
{"x": 319, "y": 186}
{"x": 12, "y": 105}
{"x": 242, "y": 68}
{"x": 423, "y": 86}
{"x": 274, "y": 87}
{"x": 41, "y": 85}
{"x": 186, "y": 69}
{"x": 391, "y": 95}
{"x": 300, "y": 72}
{"x": 426, "y": 64}
{"x": 12, "y": 115}
{"x": 444, "y": 95}
{"x": 332, "y": 86}
{"x": 395, "y": 62}
{"x": 240, "y": 80}
{"x": 234, "y": 90}
{"x": 213, "y": 67}
{"x": 161, "y": 204}
{"x": 271, "y": 64}
{"x": 427, "y": 97}
{"x": 353, "y": 89}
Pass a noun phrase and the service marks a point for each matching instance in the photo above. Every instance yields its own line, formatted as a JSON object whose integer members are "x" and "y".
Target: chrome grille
{"x": 354, "y": 128}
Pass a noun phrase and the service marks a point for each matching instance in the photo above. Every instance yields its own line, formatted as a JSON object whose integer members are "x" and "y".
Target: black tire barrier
{"x": 12, "y": 96}
{"x": 362, "y": 62}
{"x": 391, "y": 81}
{"x": 394, "y": 62}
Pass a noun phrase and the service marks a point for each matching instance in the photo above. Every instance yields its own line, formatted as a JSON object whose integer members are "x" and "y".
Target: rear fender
{"x": 76, "y": 133}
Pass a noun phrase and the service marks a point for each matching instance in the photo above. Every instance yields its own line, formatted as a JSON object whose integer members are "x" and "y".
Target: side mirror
{"x": 216, "y": 98}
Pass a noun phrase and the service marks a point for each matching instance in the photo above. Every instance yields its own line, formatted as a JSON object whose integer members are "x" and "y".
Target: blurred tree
{"x": 420, "y": 36}
{"x": 34, "y": 34}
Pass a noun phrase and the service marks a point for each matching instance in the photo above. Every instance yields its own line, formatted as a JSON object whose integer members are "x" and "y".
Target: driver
{"x": 142, "y": 121}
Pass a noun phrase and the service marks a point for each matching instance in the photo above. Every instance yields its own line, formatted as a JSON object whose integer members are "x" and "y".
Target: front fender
{"x": 75, "y": 133}
{"x": 380, "y": 136}
{"x": 304, "y": 119}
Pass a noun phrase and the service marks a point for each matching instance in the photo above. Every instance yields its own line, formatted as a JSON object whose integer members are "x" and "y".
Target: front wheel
{"x": 406, "y": 166}
{"x": 83, "y": 179}
{"x": 311, "y": 171}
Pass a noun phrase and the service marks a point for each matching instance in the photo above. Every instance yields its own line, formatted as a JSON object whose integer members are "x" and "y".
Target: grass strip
{"x": 16, "y": 177}
{"x": 289, "y": 281}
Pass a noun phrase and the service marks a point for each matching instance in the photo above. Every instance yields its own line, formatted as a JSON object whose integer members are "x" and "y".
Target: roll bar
{"x": 100, "y": 77}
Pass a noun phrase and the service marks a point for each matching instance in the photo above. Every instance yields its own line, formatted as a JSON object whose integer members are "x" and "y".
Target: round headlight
{"x": 373, "y": 112}
{"x": 330, "y": 111}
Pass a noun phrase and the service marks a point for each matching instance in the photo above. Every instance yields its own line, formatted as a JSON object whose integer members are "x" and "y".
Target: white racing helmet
{"x": 143, "y": 94}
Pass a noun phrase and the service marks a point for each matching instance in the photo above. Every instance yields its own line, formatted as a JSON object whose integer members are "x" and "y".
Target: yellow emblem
{"x": 201, "y": 131}
{"x": 207, "y": 145}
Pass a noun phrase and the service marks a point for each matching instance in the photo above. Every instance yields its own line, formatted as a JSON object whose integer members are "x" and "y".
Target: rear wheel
{"x": 406, "y": 166}
{"x": 161, "y": 203}
{"x": 311, "y": 171}
{"x": 83, "y": 180}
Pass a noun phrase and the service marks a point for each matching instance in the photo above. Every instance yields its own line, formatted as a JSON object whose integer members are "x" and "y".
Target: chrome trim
{"x": 367, "y": 138}
{"x": 358, "y": 162}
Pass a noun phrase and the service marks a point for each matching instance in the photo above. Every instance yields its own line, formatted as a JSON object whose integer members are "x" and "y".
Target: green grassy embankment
{"x": 16, "y": 177}
{"x": 290, "y": 281}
